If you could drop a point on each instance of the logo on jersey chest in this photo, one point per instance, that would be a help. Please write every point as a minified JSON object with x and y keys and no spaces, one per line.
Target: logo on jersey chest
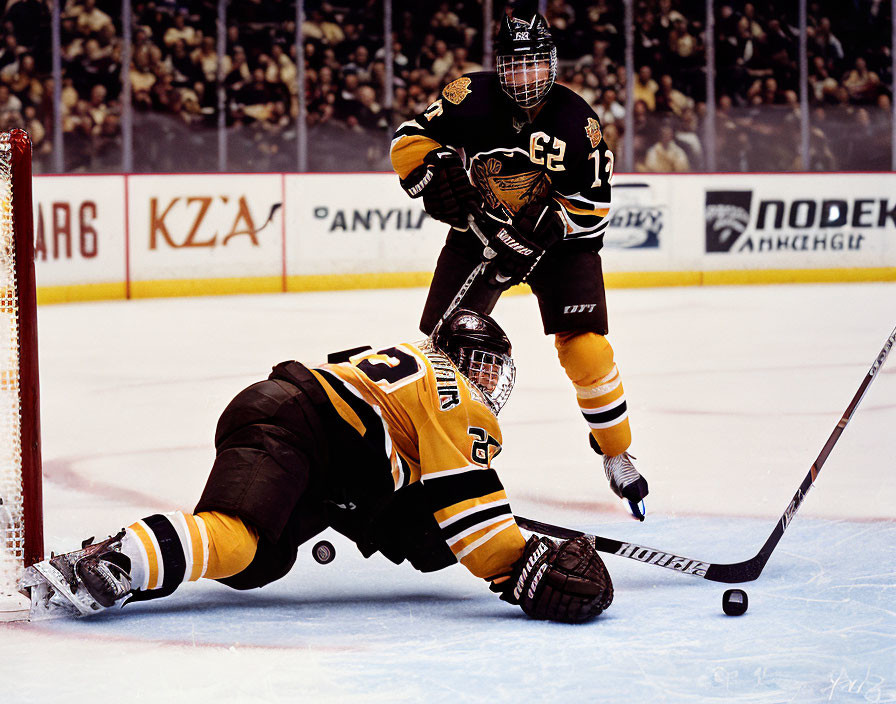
{"x":507,"y":179}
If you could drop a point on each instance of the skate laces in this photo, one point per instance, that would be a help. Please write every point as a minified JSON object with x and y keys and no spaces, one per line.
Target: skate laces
{"x":620,"y":470}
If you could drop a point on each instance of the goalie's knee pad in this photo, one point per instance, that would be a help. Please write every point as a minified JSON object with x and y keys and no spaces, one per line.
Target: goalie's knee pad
{"x":586,"y":357}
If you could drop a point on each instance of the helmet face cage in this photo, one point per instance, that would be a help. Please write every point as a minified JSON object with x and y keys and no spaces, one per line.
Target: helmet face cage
{"x":527,"y":78}
{"x":492,"y":373}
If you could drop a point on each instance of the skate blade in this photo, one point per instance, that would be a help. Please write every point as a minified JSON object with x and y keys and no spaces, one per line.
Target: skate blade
{"x":82,"y":602}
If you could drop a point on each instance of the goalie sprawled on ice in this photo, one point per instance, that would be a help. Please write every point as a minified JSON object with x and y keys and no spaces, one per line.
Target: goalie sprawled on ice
{"x":392,"y":448}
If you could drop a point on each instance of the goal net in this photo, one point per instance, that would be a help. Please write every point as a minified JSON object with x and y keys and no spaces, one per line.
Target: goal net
{"x":21,"y":533}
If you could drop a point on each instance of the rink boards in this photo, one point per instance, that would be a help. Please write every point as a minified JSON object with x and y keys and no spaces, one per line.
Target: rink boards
{"x":134,"y":236}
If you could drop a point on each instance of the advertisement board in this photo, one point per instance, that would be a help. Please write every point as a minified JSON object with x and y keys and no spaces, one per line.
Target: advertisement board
{"x":123,"y":236}
{"x":357,"y":223}
{"x":79,"y":230}
{"x":211,"y":227}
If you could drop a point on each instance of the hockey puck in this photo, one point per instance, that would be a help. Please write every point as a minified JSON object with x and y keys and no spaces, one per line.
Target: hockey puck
{"x":324,"y":552}
{"x":734,"y":602}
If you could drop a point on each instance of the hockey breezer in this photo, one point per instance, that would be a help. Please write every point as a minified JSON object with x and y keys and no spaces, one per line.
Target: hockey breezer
{"x":735,"y":572}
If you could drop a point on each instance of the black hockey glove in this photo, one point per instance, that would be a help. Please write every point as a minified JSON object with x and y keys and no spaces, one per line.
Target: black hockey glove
{"x":566,"y":582}
{"x":540,"y":223}
{"x":442,"y":182}
{"x":519,"y":244}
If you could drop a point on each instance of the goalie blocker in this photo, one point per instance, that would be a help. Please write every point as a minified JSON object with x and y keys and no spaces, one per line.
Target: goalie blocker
{"x":392,"y":448}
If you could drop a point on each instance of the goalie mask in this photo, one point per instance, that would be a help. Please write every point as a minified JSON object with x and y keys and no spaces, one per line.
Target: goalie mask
{"x":526,"y":59}
{"x":481,"y":352}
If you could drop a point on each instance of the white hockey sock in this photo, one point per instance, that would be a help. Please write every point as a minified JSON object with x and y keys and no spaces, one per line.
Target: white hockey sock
{"x":166,"y":549}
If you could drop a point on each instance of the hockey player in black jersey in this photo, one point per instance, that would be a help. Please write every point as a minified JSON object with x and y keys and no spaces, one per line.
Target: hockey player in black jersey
{"x":518,"y":167}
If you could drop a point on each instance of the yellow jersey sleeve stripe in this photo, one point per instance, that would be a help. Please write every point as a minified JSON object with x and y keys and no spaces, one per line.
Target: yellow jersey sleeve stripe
{"x":444,"y":523}
{"x":408,"y":152}
{"x":584,"y":208}
{"x":479,"y":542}
{"x":450,"y":472}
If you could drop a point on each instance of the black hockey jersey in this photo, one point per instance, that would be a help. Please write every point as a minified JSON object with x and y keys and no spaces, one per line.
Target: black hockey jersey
{"x":560,"y":154}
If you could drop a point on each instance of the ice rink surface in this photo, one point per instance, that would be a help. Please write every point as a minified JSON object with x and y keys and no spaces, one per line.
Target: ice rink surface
{"x":732,"y":392}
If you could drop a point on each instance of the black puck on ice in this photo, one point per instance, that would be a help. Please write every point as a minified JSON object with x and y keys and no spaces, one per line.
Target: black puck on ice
{"x":734,"y":602}
{"x":324,"y":552}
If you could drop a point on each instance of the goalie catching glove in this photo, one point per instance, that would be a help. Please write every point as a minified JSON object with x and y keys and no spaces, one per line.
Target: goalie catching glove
{"x":515,"y":246}
{"x":442,"y":182}
{"x":567,"y":582}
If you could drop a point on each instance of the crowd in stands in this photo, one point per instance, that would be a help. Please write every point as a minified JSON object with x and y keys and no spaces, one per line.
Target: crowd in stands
{"x":175,"y":91}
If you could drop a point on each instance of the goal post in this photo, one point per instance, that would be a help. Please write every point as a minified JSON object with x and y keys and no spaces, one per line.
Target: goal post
{"x":21,"y":514}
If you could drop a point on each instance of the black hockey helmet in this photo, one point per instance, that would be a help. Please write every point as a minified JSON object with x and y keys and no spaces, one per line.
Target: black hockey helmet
{"x":481,"y":352}
{"x":526,"y":56}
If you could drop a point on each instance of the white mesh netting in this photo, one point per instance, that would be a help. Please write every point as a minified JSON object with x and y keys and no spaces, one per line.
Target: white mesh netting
{"x":12,"y":532}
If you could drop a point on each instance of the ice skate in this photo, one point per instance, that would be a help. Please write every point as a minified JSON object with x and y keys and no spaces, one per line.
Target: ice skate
{"x":626,"y":482}
{"x":89,"y":580}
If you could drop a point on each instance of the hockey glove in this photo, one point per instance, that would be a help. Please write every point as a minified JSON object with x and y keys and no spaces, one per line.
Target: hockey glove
{"x":518,"y":245}
{"x":442,"y":182}
{"x":540,"y":223}
{"x":566,"y":582}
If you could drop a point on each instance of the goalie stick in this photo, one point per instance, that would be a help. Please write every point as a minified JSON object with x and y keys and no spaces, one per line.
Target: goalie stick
{"x":735,"y":572}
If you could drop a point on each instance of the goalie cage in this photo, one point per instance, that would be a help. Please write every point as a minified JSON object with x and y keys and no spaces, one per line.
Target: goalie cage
{"x":21,"y":517}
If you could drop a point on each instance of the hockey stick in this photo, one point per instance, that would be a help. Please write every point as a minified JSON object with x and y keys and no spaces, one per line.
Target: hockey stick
{"x":735,"y":572}
{"x":488,"y":253}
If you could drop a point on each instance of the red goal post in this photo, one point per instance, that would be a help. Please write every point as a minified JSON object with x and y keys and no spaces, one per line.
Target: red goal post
{"x":21,"y":514}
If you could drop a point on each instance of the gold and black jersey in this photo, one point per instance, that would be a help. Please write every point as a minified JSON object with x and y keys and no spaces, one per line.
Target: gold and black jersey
{"x":559,"y":154}
{"x":433,"y":426}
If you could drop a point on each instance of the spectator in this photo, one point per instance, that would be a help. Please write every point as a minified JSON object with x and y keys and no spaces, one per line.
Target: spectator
{"x":862,"y":85}
{"x":284,"y":67}
{"x":609,"y":110}
{"x":237,"y":70}
{"x":687,"y":138}
{"x":97,"y":106}
{"x":180,"y":31}
{"x":10,"y":49}
{"x":827,"y":45}
{"x":665,"y":156}
{"x":462,"y":63}
{"x":370,"y":114}
{"x":90,"y":19}
{"x":360,"y":64}
{"x":10,"y":109}
{"x":577,"y":84}
{"x":646,"y":88}
{"x":670,"y":99}
{"x":443,"y":60}
{"x":24,"y":82}
{"x":256,"y":97}
{"x":36,"y":130}
{"x":205,"y":56}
